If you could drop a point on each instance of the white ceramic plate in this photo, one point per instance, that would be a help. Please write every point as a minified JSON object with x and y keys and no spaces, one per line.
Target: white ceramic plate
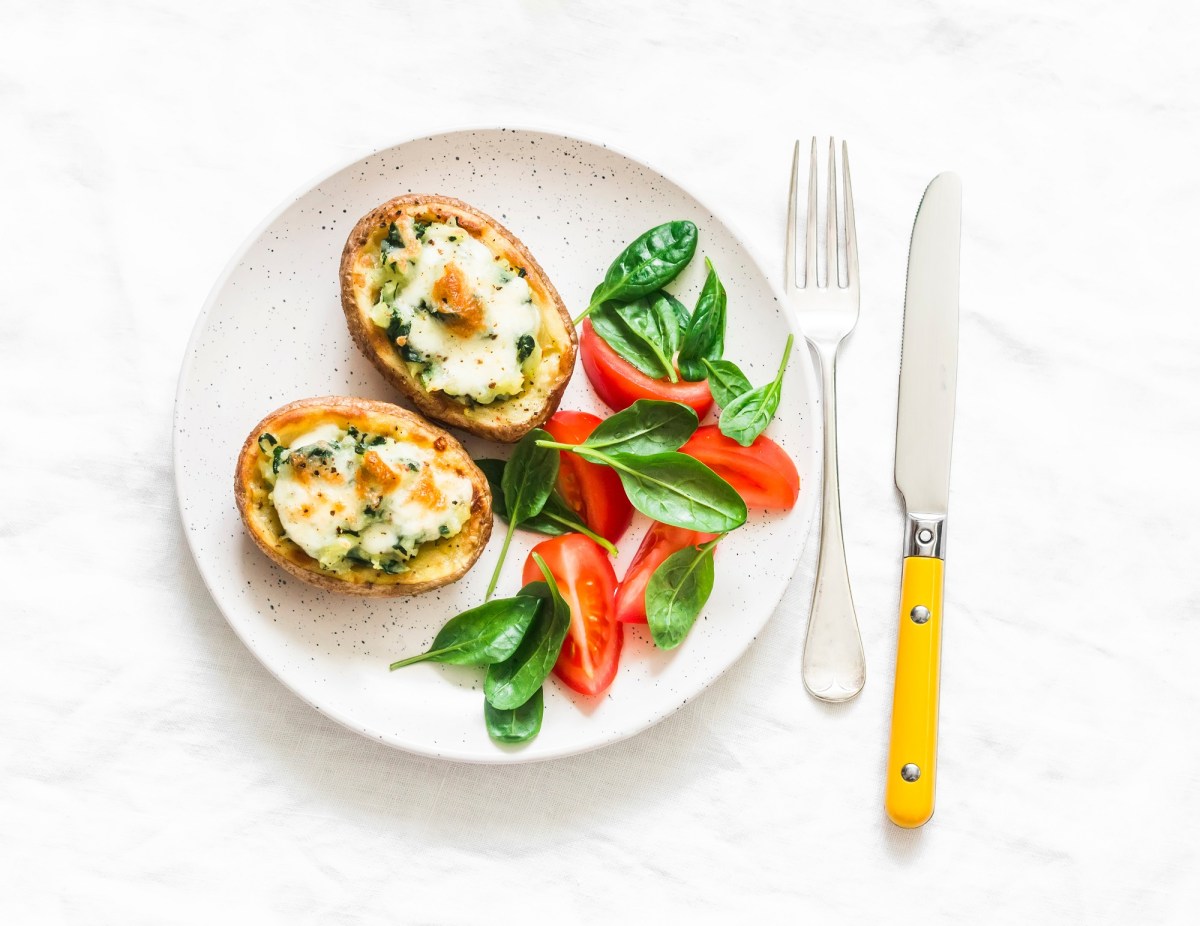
{"x":273,"y":331}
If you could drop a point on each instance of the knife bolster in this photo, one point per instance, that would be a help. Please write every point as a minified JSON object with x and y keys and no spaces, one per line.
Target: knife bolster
{"x":925,"y":535}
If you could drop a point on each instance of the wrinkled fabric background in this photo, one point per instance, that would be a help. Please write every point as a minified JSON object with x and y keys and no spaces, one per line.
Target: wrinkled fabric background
{"x":151,"y":771}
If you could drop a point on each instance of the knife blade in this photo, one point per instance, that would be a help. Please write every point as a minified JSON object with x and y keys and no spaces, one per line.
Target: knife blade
{"x":924,"y":432}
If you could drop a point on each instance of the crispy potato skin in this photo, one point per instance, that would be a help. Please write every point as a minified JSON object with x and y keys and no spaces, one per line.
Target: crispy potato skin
{"x":509,"y":420}
{"x":437,"y":563}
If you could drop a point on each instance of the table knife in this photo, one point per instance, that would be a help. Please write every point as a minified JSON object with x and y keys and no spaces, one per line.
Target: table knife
{"x":924,"y":428}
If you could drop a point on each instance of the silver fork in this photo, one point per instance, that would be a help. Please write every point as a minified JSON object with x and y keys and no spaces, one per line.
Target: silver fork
{"x":833,"y":666}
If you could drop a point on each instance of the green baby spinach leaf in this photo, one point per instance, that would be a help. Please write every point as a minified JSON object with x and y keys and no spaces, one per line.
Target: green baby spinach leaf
{"x":677,"y":592}
{"x":632,"y":330}
{"x":527,"y":482}
{"x":529,"y":477}
{"x":748,"y":415}
{"x":725,"y":381}
{"x":515,"y":725}
{"x":671,"y":487}
{"x":647,"y":426}
{"x":556,"y":517}
{"x":672,"y":319}
{"x":705,"y":335}
{"x":480,"y":636}
{"x":511,"y":683}
{"x":649,"y":262}
{"x":677,"y":489}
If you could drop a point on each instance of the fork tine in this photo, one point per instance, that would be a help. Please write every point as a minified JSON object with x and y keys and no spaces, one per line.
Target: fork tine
{"x":831,"y":232}
{"x":810,"y":235}
{"x":851,"y":237}
{"x":789,"y":255}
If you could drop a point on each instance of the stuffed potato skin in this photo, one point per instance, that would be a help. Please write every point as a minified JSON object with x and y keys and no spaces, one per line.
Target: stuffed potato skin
{"x":435,"y":564}
{"x":506,"y":420}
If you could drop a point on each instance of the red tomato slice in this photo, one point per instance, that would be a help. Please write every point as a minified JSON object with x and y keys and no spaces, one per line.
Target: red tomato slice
{"x":585,"y":577}
{"x":763,"y":474}
{"x":660,"y":542}
{"x":620,"y":384}
{"x":593,"y":491}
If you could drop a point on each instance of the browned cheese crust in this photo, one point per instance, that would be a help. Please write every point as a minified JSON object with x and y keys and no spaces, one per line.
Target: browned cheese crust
{"x":507,"y":420}
{"x":436,"y":563}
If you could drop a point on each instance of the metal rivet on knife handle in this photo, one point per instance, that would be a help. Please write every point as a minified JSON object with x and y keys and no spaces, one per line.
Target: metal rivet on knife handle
{"x":910,"y":772}
{"x":920,"y":614}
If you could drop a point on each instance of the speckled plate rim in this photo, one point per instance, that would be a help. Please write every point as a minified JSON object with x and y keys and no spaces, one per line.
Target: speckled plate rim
{"x":574,"y":133}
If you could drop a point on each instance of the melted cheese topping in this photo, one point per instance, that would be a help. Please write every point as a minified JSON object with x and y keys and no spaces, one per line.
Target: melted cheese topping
{"x":353,"y":498}
{"x":462,"y":316}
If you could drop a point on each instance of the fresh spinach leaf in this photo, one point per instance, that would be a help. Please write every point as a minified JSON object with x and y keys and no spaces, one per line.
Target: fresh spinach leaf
{"x":672,"y":317}
{"x":670,"y":487}
{"x":556,"y":517}
{"x":725,"y":381}
{"x":705,"y":335}
{"x":632,"y":330}
{"x":482,"y":635}
{"x":677,"y":592}
{"x":559,"y":518}
{"x":511,"y":683}
{"x":646,"y":426}
{"x":515,"y":725}
{"x":646,"y":332}
{"x":649,"y":262}
{"x":529,"y":476}
{"x":748,"y":415}
{"x":677,"y":489}
{"x":527,"y":482}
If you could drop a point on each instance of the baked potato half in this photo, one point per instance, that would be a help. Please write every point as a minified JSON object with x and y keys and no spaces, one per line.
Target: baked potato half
{"x":455,"y":312}
{"x":362,"y":497}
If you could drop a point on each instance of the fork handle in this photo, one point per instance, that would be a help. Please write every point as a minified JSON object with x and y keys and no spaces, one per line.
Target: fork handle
{"x":833,"y":666}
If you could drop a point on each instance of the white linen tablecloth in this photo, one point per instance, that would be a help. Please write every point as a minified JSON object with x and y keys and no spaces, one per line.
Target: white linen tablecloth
{"x":153,"y":772}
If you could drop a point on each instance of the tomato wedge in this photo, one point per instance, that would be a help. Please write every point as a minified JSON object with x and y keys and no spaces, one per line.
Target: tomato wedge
{"x":620,"y":384}
{"x":763,"y":474}
{"x":593,"y":491}
{"x":660,"y":542}
{"x":585,"y":577}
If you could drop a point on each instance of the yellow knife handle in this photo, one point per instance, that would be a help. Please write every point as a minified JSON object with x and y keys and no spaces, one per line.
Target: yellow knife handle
{"x":912,"y":756}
